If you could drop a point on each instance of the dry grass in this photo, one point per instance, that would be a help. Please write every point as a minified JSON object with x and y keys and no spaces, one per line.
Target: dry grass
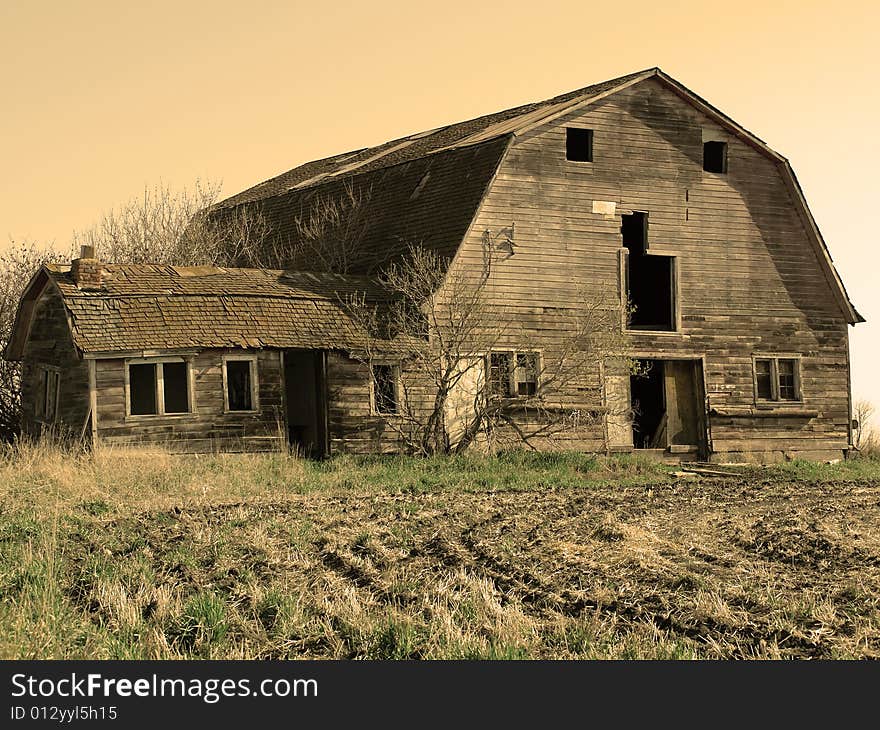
{"x":132,"y":555}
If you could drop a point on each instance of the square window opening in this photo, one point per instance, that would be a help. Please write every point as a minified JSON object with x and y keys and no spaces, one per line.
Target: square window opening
{"x":715,"y":156}
{"x":578,"y":144}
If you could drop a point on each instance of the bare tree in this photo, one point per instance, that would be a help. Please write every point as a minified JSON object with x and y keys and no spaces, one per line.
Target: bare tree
{"x":331,"y":232}
{"x":164,"y":226}
{"x":863,"y":412}
{"x":453,"y":390}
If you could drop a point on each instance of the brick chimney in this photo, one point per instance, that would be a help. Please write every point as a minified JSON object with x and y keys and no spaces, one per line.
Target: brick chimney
{"x":86,"y":270}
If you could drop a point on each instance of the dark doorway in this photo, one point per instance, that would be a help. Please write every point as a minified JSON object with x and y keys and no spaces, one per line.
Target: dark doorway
{"x":305,"y":394}
{"x":648,"y":404}
{"x":667,"y":404}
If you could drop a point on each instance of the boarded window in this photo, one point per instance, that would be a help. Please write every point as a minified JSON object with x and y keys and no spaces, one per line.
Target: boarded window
{"x":385,"y":388}
{"x":142,"y":389}
{"x":578,"y":144}
{"x":715,"y":156}
{"x":526,"y":373}
{"x":499,"y":374}
{"x":47,"y":405}
{"x":239,"y":385}
{"x":176,"y":387}
{"x":764,"y":379}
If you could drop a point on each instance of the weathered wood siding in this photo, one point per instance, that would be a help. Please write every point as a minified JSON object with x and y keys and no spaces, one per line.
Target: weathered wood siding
{"x":50,"y":343}
{"x":749,"y":279}
{"x":208,"y":428}
{"x":353,"y":427}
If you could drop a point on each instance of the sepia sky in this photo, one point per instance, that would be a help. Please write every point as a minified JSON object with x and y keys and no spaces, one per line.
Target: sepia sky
{"x":100,"y":99}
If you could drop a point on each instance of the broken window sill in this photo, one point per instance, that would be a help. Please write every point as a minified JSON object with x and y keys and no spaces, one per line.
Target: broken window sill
{"x":765,"y":412}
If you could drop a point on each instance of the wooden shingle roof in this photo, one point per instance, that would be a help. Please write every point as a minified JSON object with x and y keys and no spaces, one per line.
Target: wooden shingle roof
{"x":428,"y":202}
{"x":150,"y":307}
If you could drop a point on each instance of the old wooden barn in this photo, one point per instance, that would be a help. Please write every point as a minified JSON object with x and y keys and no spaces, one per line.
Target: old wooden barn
{"x":637,"y":186}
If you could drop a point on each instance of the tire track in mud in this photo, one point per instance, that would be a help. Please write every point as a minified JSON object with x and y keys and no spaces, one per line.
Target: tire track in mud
{"x":534,"y":593}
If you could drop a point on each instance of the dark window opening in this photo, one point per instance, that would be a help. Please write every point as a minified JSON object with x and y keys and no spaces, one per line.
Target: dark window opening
{"x":142,"y":389}
{"x":175,"y":387}
{"x":526,"y":374}
{"x":764,"y":379}
{"x":650,"y":279}
{"x":578,"y":144}
{"x":238,"y":385}
{"x":385,"y":388}
{"x":634,"y":229}
{"x":715,"y":156}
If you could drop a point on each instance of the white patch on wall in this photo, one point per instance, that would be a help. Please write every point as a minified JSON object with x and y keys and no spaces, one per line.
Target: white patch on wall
{"x":605,"y":207}
{"x":715,"y":134}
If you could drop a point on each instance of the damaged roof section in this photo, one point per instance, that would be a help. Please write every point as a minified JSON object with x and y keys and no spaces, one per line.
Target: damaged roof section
{"x":428,"y":201}
{"x":150,"y":307}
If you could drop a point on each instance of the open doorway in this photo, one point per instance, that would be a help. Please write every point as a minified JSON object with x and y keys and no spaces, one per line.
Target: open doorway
{"x":306,"y":402}
{"x":666,"y":401}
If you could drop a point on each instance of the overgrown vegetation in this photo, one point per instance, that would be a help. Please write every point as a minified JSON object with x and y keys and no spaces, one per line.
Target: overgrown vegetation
{"x":524,"y":555}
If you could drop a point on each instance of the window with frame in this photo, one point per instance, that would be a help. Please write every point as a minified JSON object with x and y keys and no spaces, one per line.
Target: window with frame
{"x":240,"y":383}
{"x":526,"y":374}
{"x":777,"y":379}
{"x":499,"y":374}
{"x":158,"y":387}
{"x":47,"y":396}
{"x":513,"y":374}
{"x":385,"y":377}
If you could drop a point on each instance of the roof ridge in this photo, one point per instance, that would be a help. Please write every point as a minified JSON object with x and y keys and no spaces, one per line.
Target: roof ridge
{"x":284,"y":183}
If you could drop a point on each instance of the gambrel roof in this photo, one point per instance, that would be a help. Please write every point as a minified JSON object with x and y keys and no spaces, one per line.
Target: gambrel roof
{"x":466,"y":156}
{"x":151,"y":307}
{"x":417,"y":146}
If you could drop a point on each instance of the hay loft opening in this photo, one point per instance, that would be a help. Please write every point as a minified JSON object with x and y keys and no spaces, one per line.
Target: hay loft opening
{"x":650,"y":279}
{"x":715,"y":156}
{"x":578,"y":144}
